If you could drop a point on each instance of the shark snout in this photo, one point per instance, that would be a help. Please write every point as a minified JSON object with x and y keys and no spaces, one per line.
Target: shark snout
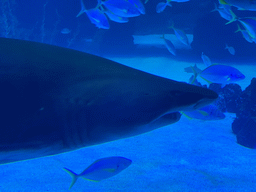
{"x":208,"y":96}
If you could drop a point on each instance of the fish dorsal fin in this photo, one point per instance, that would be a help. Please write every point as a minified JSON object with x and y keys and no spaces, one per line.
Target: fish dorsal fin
{"x":215,"y":8}
{"x":82,"y":9}
{"x":234,"y":17}
{"x":212,"y":65}
{"x":239,"y":28}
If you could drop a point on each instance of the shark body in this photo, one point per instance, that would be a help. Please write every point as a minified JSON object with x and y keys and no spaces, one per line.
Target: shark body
{"x":55,"y":100}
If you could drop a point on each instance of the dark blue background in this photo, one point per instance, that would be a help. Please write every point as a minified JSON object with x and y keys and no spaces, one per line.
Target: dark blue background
{"x":25,"y":19}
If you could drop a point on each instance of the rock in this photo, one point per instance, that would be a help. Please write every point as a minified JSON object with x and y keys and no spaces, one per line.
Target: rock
{"x":228,"y":96}
{"x":245,"y":130}
{"x":232,"y":99}
{"x":244,"y":126}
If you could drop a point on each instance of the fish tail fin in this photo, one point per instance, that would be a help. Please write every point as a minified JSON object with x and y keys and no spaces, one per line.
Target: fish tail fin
{"x":195,"y":75}
{"x":82,"y":9}
{"x":234,"y":17}
{"x":169,"y":3}
{"x":73,"y":175}
{"x":239,"y":28}
{"x":99,"y":4}
{"x":215,"y":8}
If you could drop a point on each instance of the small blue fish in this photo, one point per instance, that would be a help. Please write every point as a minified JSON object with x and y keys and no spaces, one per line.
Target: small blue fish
{"x":221,"y":74}
{"x":230,"y":49}
{"x":245,"y":34}
{"x":161,"y":6}
{"x":65,"y":31}
{"x":101,"y":169}
{"x":169,"y":46}
{"x":224,"y":12}
{"x":181,"y":35}
{"x":206,"y":60}
{"x":249,"y":23}
{"x":96,"y":16}
{"x":207,"y":113}
{"x":121,"y":8}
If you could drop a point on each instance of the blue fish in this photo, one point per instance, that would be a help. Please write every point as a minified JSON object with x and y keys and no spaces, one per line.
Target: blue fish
{"x":101,"y":169}
{"x":181,"y":35}
{"x":160,"y":7}
{"x":96,"y":16}
{"x":65,"y":31}
{"x":121,"y":8}
{"x":224,"y":12}
{"x":206,"y":60}
{"x":249,"y":23}
{"x":221,"y":74}
{"x":207,"y":113}
{"x":169,"y":45}
{"x":245,"y":34}
{"x":230,"y":49}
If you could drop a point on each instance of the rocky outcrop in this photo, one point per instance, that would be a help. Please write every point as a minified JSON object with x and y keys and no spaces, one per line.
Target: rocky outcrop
{"x":232,"y":99}
{"x":244,"y":126}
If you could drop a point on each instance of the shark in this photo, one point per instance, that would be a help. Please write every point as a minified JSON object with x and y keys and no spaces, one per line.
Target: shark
{"x":55,"y":100}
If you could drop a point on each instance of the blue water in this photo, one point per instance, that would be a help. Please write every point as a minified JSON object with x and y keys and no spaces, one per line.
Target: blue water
{"x":186,"y":156}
